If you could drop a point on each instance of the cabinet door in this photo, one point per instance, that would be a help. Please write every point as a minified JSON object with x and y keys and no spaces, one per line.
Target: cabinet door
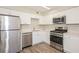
{"x":72,"y":16}
{"x":71,"y":44}
{"x":25,"y":19}
{"x":41,"y":37}
{"x":46,"y":36}
{"x":35,"y":38}
{"x":5,"y":11}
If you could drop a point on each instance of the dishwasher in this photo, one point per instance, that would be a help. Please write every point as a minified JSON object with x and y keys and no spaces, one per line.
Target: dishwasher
{"x":26,"y":39}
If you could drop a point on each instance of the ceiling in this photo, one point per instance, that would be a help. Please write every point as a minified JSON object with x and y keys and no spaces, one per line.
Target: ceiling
{"x":37,"y":9}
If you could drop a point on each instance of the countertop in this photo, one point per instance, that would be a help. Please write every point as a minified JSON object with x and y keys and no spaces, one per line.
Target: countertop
{"x":26,"y":31}
{"x":73,"y":35}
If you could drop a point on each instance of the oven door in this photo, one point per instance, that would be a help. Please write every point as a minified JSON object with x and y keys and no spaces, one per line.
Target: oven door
{"x":56,"y":42}
{"x":56,"y":39}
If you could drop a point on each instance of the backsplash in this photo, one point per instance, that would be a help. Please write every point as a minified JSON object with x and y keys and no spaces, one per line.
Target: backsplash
{"x":60,"y":25}
{"x":73,"y":28}
{"x":27,"y":28}
{"x":46,"y":27}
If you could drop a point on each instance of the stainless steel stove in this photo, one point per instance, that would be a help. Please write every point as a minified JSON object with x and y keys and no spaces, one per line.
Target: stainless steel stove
{"x":56,"y":38}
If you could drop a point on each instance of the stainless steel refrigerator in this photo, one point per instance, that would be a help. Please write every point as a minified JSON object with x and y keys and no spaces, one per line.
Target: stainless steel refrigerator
{"x":10,"y":36}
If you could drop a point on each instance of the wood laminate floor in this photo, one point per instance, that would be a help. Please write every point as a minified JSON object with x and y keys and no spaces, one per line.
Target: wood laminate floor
{"x":40,"y":48}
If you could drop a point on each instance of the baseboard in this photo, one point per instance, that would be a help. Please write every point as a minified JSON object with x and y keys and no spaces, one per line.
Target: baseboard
{"x":27,"y":46}
{"x":66,"y":51}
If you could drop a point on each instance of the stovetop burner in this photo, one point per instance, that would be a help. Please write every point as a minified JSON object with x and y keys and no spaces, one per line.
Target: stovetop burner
{"x":59,"y":31}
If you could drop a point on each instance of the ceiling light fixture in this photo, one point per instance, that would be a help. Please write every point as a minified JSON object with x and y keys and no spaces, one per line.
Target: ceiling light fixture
{"x":46,"y":7}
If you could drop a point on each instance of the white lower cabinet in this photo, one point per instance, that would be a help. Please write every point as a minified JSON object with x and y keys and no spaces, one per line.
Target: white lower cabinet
{"x":40,"y":36}
{"x":71,"y":44}
{"x":35,"y":38}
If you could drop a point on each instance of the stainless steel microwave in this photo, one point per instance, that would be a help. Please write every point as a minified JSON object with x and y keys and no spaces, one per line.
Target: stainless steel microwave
{"x":59,"y":20}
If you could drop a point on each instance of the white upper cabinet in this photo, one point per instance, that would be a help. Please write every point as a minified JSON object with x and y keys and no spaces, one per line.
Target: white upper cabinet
{"x":25,"y":19}
{"x":72,"y":16}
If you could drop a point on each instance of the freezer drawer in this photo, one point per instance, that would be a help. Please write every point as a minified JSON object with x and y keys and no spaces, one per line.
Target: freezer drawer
{"x":14,"y":41}
{"x":10,"y":41}
{"x":26,"y":39}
